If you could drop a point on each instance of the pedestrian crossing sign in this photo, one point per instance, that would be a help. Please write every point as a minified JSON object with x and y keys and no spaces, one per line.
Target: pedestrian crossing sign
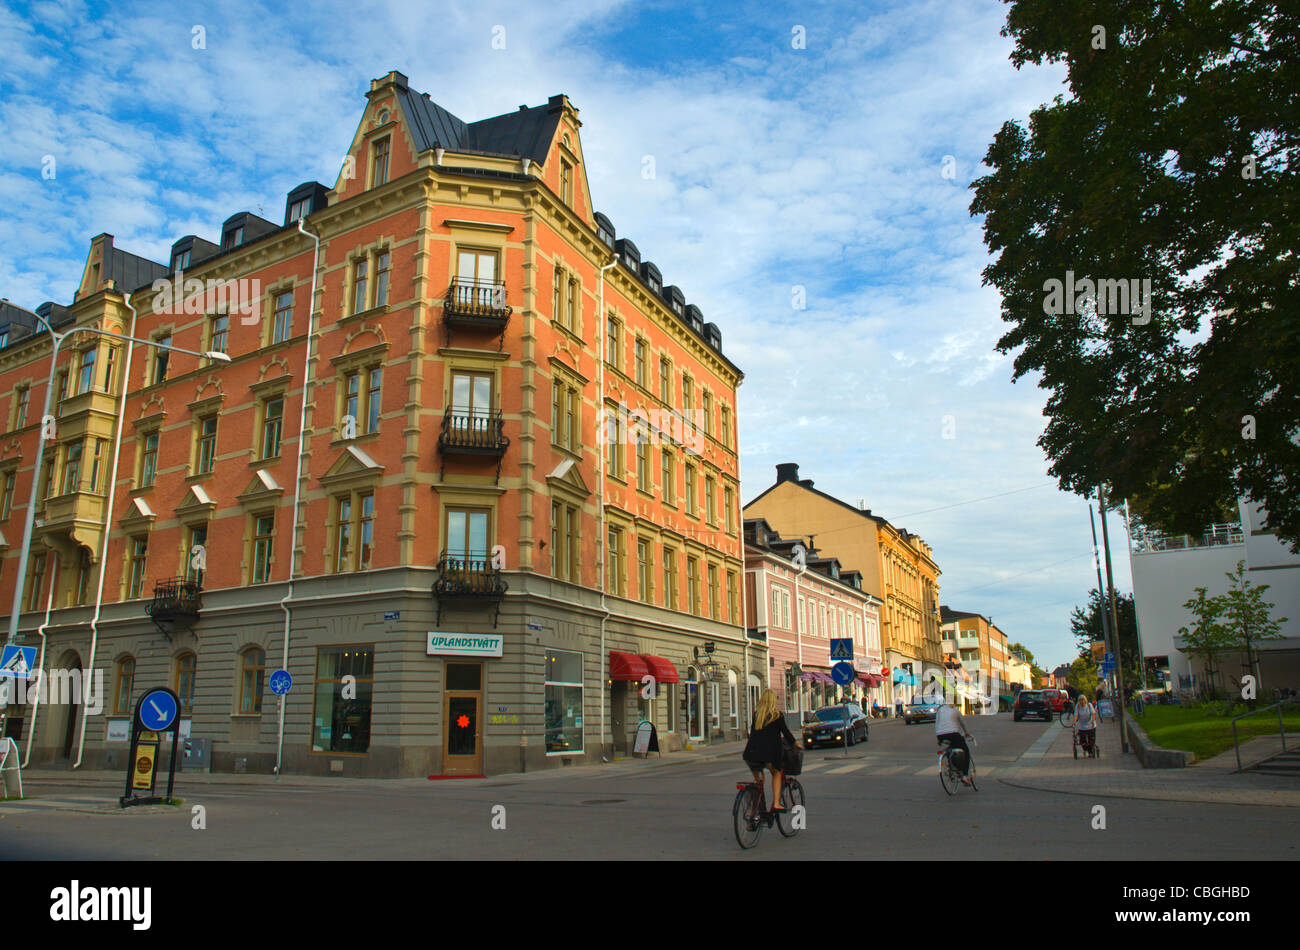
{"x":842,"y":649}
{"x":17,"y":661}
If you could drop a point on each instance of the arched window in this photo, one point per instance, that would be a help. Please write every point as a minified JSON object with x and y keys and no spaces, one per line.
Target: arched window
{"x":125,"y":686}
{"x":252,"y":673}
{"x":694,"y":705}
{"x":185,"y":665}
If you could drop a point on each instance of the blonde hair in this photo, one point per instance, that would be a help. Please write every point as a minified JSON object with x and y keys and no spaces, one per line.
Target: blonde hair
{"x":767,"y":710}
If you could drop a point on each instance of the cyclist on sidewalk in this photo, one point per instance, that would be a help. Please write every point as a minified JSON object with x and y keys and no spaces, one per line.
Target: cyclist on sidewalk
{"x":765,"y":748}
{"x":950,"y":727}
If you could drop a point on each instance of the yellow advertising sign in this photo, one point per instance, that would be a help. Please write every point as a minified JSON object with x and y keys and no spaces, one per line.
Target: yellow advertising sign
{"x":1098,"y":650}
{"x":146,"y":760}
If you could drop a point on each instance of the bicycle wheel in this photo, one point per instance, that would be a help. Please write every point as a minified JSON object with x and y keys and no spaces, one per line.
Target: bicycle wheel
{"x":791,"y":797}
{"x":970,"y":774}
{"x":947,"y":777}
{"x":747,"y":829}
{"x":1067,"y":718}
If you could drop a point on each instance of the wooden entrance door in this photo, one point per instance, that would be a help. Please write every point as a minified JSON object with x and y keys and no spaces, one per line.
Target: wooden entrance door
{"x":462,"y":716}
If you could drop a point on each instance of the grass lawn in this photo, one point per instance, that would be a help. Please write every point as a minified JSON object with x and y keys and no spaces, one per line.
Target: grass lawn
{"x":1193,"y":729}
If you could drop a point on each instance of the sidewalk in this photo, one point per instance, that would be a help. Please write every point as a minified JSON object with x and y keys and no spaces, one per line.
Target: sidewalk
{"x":1116,"y":775}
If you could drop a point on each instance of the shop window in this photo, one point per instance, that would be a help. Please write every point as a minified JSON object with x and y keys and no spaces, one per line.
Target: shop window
{"x":343,"y":699}
{"x":564,"y":698}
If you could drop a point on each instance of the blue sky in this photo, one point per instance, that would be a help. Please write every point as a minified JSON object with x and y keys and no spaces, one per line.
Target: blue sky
{"x":775,"y":168}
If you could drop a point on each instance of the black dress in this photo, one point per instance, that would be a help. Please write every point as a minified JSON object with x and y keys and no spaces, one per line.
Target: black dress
{"x":766,"y":745}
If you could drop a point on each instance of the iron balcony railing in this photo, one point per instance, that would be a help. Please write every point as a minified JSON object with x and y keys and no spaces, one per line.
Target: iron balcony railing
{"x":474,"y":431}
{"x":175,"y":597}
{"x":476,"y":301}
{"x":468,"y":576}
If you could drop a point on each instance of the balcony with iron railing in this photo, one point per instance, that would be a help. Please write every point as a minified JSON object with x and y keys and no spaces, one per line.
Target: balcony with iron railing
{"x":476,"y":304}
{"x":468,"y":579}
{"x":175,"y":600}
{"x":1147,"y":540}
{"x":473,"y":432}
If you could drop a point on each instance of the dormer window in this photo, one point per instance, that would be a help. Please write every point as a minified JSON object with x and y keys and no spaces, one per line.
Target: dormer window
{"x":181,"y":260}
{"x":299,"y":209}
{"x":379,"y":163}
{"x":233,"y":238}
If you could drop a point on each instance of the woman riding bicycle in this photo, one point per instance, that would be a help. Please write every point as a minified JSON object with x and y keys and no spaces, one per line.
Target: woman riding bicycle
{"x":766,"y":746}
{"x":950,"y":727}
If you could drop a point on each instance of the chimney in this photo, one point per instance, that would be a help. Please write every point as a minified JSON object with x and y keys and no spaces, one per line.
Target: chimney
{"x":806,"y":482}
{"x":787,"y":472}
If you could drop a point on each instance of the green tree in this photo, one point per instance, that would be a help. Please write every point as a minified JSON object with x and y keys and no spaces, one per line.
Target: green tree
{"x":1246,"y":617}
{"x":1084,"y":676}
{"x":1172,"y":159}
{"x":1086,"y":627}
{"x":1207,"y":638}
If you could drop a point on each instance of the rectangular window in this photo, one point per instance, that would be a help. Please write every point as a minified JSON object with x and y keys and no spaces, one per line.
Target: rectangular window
{"x":374,"y":383}
{"x":643,"y":466}
{"x":185,"y":682}
{"x":614,"y":581}
{"x":207,"y":449}
{"x":47,"y":478}
{"x":689,"y":478}
{"x":666,"y":473}
{"x":196,"y":536}
{"x":733,"y":614}
{"x":564,"y":541}
{"x":110,"y":368}
{"x":354,"y":532}
{"x":564,"y":710}
{"x":161,"y":352}
{"x":726,"y":426}
{"x":714,"y":592}
{"x":344,"y":691}
{"x":557,"y":412}
{"x":24,"y":397}
{"x":572,"y":544}
{"x":148,"y":459}
{"x":710,"y":510}
{"x":139,"y":555}
{"x":84,"y":570}
{"x":36,"y":581}
{"x":688,"y":397}
{"x":611,"y":342}
{"x":571,"y":308}
{"x":352,"y":396}
{"x":72,"y":469}
{"x":557,"y":294}
{"x":574,"y":421}
{"x":379,"y":163}
{"x":299,"y":209}
{"x":86,"y":379}
{"x":729,"y":506}
{"x":382,"y":264}
{"x":665,"y":381}
{"x":272,"y":418}
{"x":467,"y":534}
{"x":96,"y":465}
{"x":366,"y":534}
{"x":566,"y":182}
{"x":707,"y":411}
{"x":670,"y":578}
{"x":638,"y":361}
{"x":6,"y":506}
{"x":693,"y":584}
{"x":282,"y":328}
{"x":343,"y":536}
{"x":613,"y":457}
{"x":219,"y":333}
{"x":359,"y":281}
{"x":644,"y":571}
{"x":263,"y":538}
{"x":252,"y":679}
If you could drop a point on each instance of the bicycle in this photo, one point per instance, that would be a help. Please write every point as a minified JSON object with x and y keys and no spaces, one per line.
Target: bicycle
{"x":1068,"y":715}
{"x":949,"y":775}
{"x":750,"y":816}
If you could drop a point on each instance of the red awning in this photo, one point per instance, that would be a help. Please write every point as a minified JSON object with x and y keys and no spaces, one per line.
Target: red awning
{"x":627,"y":666}
{"x":660,"y":669}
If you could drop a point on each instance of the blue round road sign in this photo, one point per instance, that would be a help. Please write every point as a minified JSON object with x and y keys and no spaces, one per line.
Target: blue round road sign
{"x":158,"y":710}
{"x":281,"y":682}
{"x":842,"y":673}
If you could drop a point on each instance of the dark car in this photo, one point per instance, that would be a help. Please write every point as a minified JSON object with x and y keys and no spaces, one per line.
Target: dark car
{"x":844,"y":723}
{"x":924,"y":711}
{"x":1032,"y":702}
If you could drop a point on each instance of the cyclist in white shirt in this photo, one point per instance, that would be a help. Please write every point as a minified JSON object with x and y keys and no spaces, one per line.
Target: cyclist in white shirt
{"x":950,"y":727}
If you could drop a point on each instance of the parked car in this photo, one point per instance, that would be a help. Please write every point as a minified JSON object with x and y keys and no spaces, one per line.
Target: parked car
{"x":923,"y":711}
{"x":844,"y":723}
{"x":1056,"y":698}
{"x":1032,"y":702}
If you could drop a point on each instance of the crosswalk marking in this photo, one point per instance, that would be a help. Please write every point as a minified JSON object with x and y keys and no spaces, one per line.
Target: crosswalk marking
{"x":847,"y":768}
{"x":928,"y":770}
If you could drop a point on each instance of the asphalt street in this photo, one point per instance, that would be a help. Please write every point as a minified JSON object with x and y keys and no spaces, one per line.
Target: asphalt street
{"x":875,"y":801}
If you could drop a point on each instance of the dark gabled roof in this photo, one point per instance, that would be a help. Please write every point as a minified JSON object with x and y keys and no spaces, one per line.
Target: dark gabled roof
{"x":129,"y":271}
{"x":18,"y":321}
{"x":525,"y":133}
{"x":948,"y":615}
{"x":843,"y":504}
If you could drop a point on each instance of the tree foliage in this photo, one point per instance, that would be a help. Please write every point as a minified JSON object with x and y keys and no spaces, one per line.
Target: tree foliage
{"x":1206,"y":639}
{"x":1086,"y":627}
{"x":1172,"y":159}
{"x":1084,"y":676}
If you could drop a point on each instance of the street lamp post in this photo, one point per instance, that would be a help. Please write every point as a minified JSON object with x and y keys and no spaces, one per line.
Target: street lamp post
{"x":58,"y":338}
